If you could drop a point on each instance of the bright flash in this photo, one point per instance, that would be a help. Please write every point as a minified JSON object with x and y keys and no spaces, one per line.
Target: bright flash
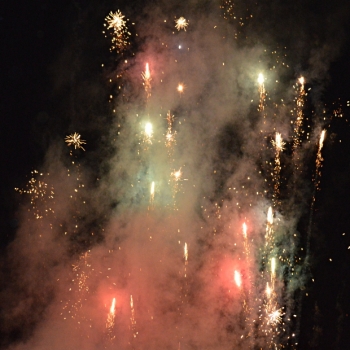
{"x":177,"y":174}
{"x":149,"y":130}
{"x":261,"y":79}
{"x":186,"y":252}
{"x":301,"y":80}
{"x":181,"y":23}
{"x":275,"y":317}
{"x":278,"y":142}
{"x":238,"y":279}
{"x":180,"y":88}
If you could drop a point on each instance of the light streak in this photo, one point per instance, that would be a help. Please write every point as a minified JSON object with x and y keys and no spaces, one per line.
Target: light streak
{"x":111,"y":316}
{"x":300,"y":101}
{"x":244,"y":226}
{"x":152,"y":192}
{"x":181,"y":23}
{"x":146,"y":76}
{"x":273,"y":268}
{"x":186,"y":252}
{"x":279,"y":146}
{"x":238,"y":279}
{"x":74,"y":139}
{"x":132,"y":318}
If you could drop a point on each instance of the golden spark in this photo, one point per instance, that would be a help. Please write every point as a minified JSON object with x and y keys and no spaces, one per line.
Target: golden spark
{"x":74,"y":139}
{"x":181,"y":23}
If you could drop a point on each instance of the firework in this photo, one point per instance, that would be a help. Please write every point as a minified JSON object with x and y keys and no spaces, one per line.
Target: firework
{"x":300,"y":101}
{"x":146,"y":76}
{"x":186,"y":252}
{"x":170,"y":140}
{"x":120,"y":34}
{"x":262,"y":92}
{"x":181,"y":88}
{"x":238,"y":279}
{"x":111,"y":317}
{"x":152,"y":192}
{"x":74,"y":139}
{"x":132,"y":318}
{"x":181,"y":23}
{"x":148,"y":133}
{"x":279,"y":146}
{"x":275,"y":317}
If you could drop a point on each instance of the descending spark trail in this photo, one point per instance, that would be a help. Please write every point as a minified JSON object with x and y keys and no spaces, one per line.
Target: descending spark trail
{"x":146,"y":76}
{"x":279,"y":146}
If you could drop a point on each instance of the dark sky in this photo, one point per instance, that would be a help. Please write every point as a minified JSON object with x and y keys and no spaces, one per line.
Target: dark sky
{"x":51,"y":55}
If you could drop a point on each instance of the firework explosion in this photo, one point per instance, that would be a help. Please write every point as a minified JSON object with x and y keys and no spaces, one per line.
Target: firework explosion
{"x":134,"y":286}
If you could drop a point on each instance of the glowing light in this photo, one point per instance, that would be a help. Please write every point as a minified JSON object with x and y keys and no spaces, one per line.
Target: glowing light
{"x":111,"y":315}
{"x":244,"y":230}
{"x":181,"y":23}
{"x":148,"y":133}
{"x":273,"y":267}
{"x":261,"y":79}
{"x":278,"y":142}
{"x":74,"y":139}
{"x":180,"y":88}
{"x":268,"y":290}
{"x":120,"y":35}
{"x":302,"y":80}
{"x":275,"y":317}
{"x":152,"y":191}
{"x":186,"y":252}
{"x":270,"y":216}
{"x":177,"y":174}
{"x":146,"y":76}
{"x":238,"y":279}
{"x":323,"y":134}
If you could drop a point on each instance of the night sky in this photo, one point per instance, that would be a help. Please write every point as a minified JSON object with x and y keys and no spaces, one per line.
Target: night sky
{"x":53,"y":84}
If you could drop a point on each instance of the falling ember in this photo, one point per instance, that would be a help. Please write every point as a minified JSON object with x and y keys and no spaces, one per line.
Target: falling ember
{"x":111,"y":316}
{"x":181,"y":23}
{"x":238,"y":279}
{"x":319,"y":160}
{"x":146,"y":76}
{"x":74,"y":139}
